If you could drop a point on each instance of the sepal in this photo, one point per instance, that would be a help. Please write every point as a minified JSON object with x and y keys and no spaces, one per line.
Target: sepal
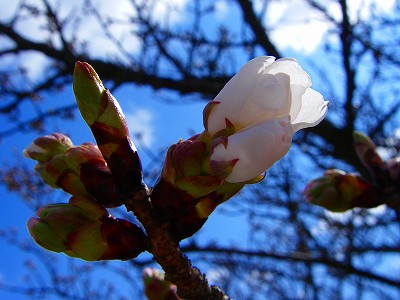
{"x":223,"y":168}
{"x":207,"y":111}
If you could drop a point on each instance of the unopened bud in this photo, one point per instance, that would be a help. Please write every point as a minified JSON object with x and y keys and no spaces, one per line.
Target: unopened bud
{"x":78,"y":170}
{"x":84,"y":229}
{"x":45,"y":147}
{"x":338,"y":191}
{"x":104,"y":116}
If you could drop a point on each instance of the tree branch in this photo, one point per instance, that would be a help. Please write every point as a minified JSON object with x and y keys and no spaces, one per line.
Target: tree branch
{"x":294,"y":257}
{"x":257,"y":28}
{"x":178,"y":268}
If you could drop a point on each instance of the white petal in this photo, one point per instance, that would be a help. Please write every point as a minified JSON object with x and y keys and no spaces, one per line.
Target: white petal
{"x":257,"y":148}
{"x":292,"y":68}
{"x":313,"y":110}
{"x":297,"y":91}
{"x":33,"y":148}
{"x":236,"y":91}
{"x":269,"y":99}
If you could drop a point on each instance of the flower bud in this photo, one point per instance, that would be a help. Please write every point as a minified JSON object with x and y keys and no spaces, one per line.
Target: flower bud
{"x":104,"y":116}
{"x":185,"y":176}
{"x":84,"y":229}
{"x":366,"y":152}
{"x":338,"y":191}
{"x":78,"y":170}
{"x":46,"y":147}
{"x":252,"y":120}
{"x":88,"y":163}
{"x":156,"y":287}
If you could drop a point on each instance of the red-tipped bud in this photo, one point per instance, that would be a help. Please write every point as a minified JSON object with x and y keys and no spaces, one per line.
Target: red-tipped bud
{"x":338,"y":191}
{"x":102,"y":113}
{"x":84,"y":229}
{"x":78,"y":170}
{"x":184,"y":178}
{"x":46,"y":147}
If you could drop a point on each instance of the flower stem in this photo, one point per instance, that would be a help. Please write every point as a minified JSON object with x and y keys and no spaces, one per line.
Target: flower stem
{"x":191,"y":283}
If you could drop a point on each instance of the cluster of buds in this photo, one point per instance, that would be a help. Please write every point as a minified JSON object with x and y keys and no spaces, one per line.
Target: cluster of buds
{"x":78,"y":170}
{"x":248,"y":127}
{"x":83,"y":228}
{"x":188,"y":191}
{"x":338,"y":191}
{"x":97,"y":176}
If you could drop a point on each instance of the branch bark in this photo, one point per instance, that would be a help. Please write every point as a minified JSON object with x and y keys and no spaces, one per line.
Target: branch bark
{"x":191,"y":283}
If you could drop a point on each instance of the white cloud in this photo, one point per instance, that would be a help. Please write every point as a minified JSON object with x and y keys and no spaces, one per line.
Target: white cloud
{"x":297,"y":26}
{"x":169,"y":9}
{"x":221,"y":9}
{"x":218,"y":274}
{"x":140,"y":123}
{"x":85,"y":27}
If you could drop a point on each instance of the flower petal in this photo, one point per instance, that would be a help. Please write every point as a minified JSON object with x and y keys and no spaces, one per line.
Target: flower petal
{"x":269,"y":99}
{"x":257,"y":148}
{"x":235,"y":92}
{"x":291,"y":67}
{"x":313,"y":110}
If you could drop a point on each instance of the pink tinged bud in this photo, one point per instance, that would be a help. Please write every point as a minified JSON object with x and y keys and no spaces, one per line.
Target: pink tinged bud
{"x":104,"y":116}
{"x":84,"y":153}
{"x":83,"y":228}
{"x":252,"y":150}
{"x":96,"y":103}
{"x":184,"y":169}
{"x":45,"y":147}
{"x":338,"y":191}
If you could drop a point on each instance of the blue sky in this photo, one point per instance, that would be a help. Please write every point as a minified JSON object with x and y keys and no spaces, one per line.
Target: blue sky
{"x":146,"y":112}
